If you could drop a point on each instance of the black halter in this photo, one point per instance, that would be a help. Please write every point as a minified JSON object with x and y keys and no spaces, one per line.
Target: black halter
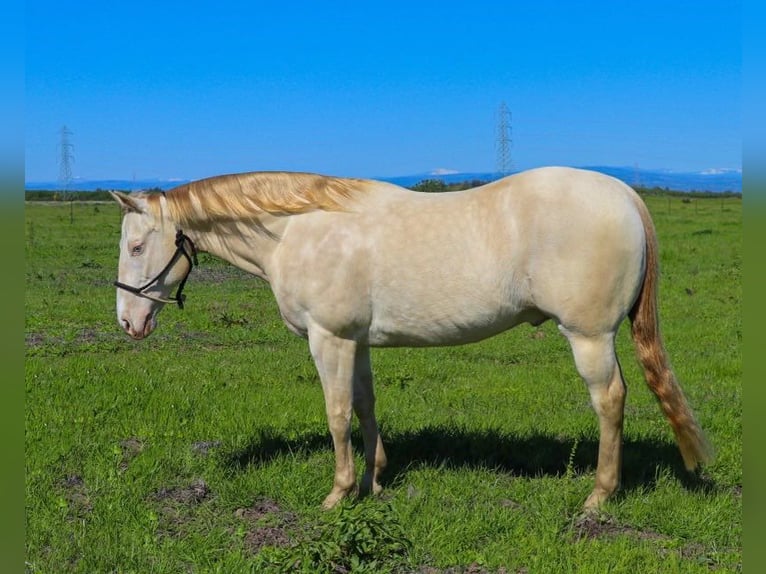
{"x":181,"y":240}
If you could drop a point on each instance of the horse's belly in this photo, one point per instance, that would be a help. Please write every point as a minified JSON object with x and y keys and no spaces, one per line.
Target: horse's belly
{"x":424,"y":329}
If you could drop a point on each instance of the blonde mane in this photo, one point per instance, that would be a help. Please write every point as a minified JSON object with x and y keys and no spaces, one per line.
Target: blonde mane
{"x":248,"y":195}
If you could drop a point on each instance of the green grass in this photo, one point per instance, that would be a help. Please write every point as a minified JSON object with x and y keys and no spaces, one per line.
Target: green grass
{"x":205,"y":448}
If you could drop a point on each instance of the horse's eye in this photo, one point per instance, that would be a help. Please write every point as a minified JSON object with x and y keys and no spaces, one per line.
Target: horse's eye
{"x":137,"y":250}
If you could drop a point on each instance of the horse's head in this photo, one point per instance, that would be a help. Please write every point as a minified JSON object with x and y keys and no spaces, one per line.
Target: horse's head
{"x":154,"y":258}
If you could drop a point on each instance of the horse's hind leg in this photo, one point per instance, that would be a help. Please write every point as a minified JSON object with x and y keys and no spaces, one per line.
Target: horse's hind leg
{"x":364,"y":407}
{"x":597,"y":364}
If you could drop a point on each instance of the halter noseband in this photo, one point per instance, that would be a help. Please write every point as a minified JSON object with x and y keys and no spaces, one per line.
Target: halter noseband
{"x":181,"y":240}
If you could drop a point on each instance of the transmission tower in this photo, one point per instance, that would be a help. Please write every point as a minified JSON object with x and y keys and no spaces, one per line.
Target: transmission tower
{"x":66,"y":158}
{"x":504,"y":141}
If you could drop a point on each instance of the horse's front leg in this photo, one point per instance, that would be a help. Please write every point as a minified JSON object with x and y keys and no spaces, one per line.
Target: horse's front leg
{"x":334,"y":359}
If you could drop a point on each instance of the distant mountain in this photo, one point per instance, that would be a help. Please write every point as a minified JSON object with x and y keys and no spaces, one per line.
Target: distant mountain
{"x":716,"y":181}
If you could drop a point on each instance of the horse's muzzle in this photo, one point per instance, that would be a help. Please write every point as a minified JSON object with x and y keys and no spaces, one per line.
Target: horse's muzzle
{"x":139,"y":331}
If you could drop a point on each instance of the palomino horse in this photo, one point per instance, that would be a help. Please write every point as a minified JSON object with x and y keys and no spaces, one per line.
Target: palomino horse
{"x":357,"y":263}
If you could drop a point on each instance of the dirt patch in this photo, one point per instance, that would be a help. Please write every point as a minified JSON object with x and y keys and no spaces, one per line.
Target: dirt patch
{"x":177,"y":506}
{"x":131,"y":448}
{"x":267,"y":524}
{"x":33,"y":339}
{"x":591,"y":527}
{"x":89,"y":336}
{"x":76,"y":495}
{"x":69,"y":342}
{"x":263,"y":508}
{"x":195,"y":493}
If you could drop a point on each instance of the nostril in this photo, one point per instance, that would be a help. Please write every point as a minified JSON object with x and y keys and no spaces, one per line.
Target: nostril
{"x":148,"y":324}
{"x":126,"y":325}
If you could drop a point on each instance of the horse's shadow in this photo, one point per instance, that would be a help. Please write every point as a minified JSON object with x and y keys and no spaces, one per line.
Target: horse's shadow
{"x":532,"y":455}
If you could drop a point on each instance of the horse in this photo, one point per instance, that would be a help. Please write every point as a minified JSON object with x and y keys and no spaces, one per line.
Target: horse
{"x":355,"y":263}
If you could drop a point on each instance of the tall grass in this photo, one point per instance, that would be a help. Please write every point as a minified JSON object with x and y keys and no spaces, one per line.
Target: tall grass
{"x":205,"y":447}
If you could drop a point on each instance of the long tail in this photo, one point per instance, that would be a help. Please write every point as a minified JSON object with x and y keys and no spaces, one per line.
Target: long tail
{"x":645,"y":329}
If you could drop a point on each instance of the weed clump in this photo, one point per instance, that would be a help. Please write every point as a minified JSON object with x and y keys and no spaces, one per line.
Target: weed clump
{"x":354,"y":537}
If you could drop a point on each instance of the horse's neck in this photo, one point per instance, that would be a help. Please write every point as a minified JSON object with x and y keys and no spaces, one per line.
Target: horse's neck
{"x":246,"y":245}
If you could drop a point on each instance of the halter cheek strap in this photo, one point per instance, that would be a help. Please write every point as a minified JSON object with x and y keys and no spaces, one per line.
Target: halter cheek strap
{"x":181,"y":241}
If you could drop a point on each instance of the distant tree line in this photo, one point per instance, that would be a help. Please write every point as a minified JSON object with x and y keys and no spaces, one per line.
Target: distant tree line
{"x":438,"y":186}
{"x":58,"y":195}
{"x":664,"y":192}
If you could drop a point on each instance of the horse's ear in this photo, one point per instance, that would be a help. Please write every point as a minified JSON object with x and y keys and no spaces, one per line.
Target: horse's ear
{"x":127,"y":203}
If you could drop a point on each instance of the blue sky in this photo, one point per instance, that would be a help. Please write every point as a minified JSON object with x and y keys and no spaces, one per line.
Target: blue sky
{"x":192,"y":89}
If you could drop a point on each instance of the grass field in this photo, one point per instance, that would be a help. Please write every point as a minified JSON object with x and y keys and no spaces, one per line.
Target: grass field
{"x":205,"y":447}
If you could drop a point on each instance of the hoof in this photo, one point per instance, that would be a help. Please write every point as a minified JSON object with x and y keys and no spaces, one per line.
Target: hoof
{"x":369,"y":486}
{"x":595,"y":501}
{"x":335,"y":496}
